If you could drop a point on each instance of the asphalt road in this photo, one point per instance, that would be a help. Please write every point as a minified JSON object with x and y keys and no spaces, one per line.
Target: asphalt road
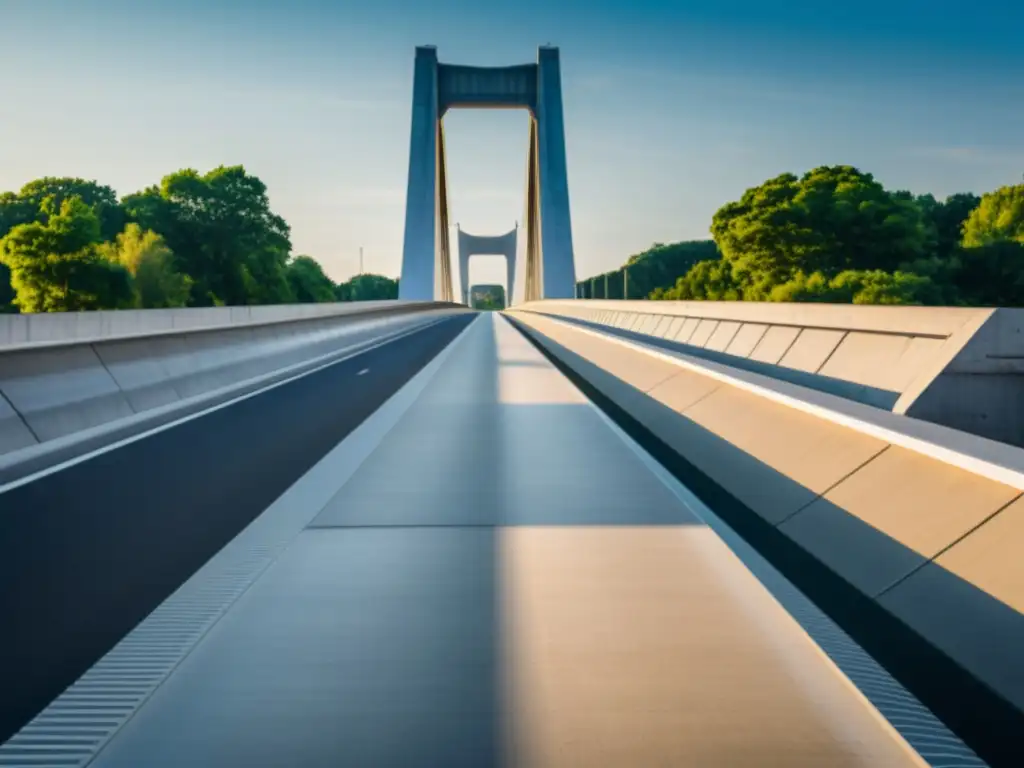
{"x":89,"y":551}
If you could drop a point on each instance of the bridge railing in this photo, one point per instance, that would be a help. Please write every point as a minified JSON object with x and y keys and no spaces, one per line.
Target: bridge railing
{"x":907,"y":533}
{"x":957,"y":366}
{"x":71,"y":382}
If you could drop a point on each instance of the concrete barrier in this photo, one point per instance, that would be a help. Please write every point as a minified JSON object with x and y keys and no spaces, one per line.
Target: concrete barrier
{"x":106,"y":372}
{"x":922,"y":522}
{"x":960,"y":367}
{"x":61,"y":328}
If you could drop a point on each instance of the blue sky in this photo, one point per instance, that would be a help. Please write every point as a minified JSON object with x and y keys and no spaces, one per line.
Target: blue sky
{"x":672,"y":108}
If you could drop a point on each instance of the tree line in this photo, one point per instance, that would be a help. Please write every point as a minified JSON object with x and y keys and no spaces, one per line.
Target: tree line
{"x":837,"y":235}
{"x":194,"y":240}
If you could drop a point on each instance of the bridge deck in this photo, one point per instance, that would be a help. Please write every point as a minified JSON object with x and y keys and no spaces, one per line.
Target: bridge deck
{"x":498,"y":577}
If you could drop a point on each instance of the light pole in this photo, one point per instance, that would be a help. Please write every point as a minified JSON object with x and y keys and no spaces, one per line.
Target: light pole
{"x":360,"y":259}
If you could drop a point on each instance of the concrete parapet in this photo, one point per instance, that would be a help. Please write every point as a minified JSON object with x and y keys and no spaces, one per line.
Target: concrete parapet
{"x":960,"y":367}
{"x":72,"y":327}
{"x":922,"y":535}
{"x":56,"y":387}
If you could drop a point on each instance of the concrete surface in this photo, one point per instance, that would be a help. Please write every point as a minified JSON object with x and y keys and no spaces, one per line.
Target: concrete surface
{"x":491,"y":601}
{"x":960,"y":367}
{"x":73,"y":327}
{"x":906,"y":530}
{"x":95,"y":547}
{"x":58,"y":391}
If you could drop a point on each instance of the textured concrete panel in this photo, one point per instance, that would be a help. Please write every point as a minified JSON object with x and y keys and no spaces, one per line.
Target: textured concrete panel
{"x":810,"y":452}
{"x":746,"y":339}
{"x":811,"y":349}
{"x":61,"y":390}
{"x":633,"y":647}
{"x":684,"y":389}
{"x":922,"y":504}
{"x":703,"y":332}
{"x":723,"y":336}
{"x":686,"y":330}
{"x":982,"y":633}
{"x":880,"y":360}
{"x":674,"y":327}
{"x":13,"y":432}
{"x":990,"y":557}
{"x":774,"y":344}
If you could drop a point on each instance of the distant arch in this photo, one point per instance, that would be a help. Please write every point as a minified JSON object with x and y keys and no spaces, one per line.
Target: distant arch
{"x":477,"y":245}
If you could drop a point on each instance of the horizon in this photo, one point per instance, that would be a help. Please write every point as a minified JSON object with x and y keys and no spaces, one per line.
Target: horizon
{"x":670,"y":112}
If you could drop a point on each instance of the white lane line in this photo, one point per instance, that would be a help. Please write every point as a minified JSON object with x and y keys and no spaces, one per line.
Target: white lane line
{"x":199,"y":414}
{"x":363,"y":372}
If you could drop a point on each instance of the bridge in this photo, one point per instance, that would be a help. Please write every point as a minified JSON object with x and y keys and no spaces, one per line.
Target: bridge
{"x":578,"y":532}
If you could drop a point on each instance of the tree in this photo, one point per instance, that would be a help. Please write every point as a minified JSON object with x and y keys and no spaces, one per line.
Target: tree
{"x":999,"y":217}
{"x":58,"y":266}
{"x":27,"y":205}
{"x":711,"y":280}
{"x":368,"y":288}
{"x":222,"y":232}
{"x":151,"y":264}
{"x":947,"y":220}
{"x":833,"y":218}
{"x":308,"y":282}
{"x":860,"y":287}
{"x":7,"y":294}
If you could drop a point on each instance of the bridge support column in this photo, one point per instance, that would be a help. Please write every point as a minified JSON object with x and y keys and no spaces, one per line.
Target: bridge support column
{"x":558,"y":273}
{"x":419,"y":250}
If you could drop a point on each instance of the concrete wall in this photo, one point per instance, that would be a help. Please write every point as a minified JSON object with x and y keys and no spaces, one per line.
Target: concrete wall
{"x":922,"y":534}
{"x":60,"y":328}
{"x":961,"y":367}
{"x":61,"y":388}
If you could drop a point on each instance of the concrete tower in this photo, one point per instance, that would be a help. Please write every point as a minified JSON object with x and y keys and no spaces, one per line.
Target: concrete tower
{"x":426,"y":254}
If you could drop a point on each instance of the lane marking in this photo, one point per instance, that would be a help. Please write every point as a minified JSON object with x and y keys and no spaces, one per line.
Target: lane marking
{"x":198,"y":414}
{"x":363,"y":372}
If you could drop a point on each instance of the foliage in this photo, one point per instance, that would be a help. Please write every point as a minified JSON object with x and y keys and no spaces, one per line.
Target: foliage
{"x":487,"y":297}
{"x":656,"y":268}
{"x":836,"y":235}
{"x":26,"y":206}
{"x":999,"y":217}
{"x":307,"y":281}
{"x":151,"y":264}
{"x":7,"y":294}
{"x":222,"y":232}
{"x":367,"y":288}
{"x":58,"y":266}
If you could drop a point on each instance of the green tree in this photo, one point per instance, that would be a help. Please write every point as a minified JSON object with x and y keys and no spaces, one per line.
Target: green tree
{"x":151,"y":264}
{"x":368,"y":288}
{"x":998,"y":217}
{"x":859,"y":287}
{"x":308,"y":282}
{"x":7,"y":294}
{"x":832,"y":219}
{"x":710,"y":280}
{"x":58,"y":266}
{"x":27,"y":205}
{"x":222,"y":232}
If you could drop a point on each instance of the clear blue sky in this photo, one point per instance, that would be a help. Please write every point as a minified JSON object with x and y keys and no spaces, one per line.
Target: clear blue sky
{"x":672,"y":108}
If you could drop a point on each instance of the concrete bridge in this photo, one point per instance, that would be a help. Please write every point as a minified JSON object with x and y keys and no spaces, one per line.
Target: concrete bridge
{"x":583,"y":533}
